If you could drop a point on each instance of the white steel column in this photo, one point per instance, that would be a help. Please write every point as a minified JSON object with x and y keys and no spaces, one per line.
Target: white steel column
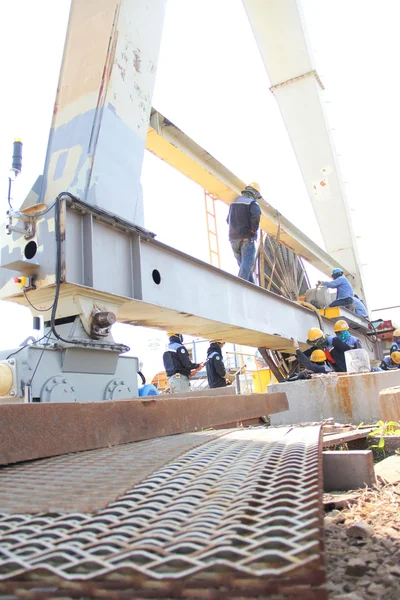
{"x":280,"y":34}
{"x":103,"y":103}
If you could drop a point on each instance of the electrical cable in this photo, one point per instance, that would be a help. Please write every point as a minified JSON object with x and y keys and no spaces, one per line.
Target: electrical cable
{"x":34,"y":307}
{"x":25,"y":346}
{"x":57,"y":204}
{"x":40,"y":357}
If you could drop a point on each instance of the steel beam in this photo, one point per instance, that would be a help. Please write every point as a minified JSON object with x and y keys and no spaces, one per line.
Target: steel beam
{"x":173,"y":146}
{"x":282,"y":40}
{"x":39,"y":430}
{"x":102,"y":109}
{"x":155,"y":285}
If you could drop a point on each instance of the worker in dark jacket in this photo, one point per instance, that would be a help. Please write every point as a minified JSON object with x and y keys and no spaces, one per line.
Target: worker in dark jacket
{"x":317,"y":363}
{"x":216,"y":372}
{"x":178,"y":365}
{"x":244,"y":221}
{"x":334,"y":347}
{"x":391,"y":362}
{"x":345,"y":294}
{"x":395,"y":347}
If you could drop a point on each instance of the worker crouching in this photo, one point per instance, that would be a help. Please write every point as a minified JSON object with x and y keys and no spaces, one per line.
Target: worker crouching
{"x":178,"y":365}
{"x":335,"y":346}
{"x":344,"y":291}
{"x":391,"y":362}
{"x":315,"y":364}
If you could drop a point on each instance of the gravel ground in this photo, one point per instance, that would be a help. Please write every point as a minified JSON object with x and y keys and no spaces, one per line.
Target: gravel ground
{"x":363,"y":547}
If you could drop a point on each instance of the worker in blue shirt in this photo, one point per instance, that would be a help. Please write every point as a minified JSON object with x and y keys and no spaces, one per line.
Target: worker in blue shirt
{"x":345,"y":294}
{"x":359,"y":305}
{"x":395,"y":347}
{"x":391,"y":362}
{"x":244,"y":221}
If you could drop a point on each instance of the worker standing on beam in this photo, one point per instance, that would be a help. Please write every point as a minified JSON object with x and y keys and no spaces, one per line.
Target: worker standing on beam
{"x":317,"y":363}
{"x":178,"y":365}
{"x":244,"y":221}
{"x":345,"y":294}
{"x":391,"y":362}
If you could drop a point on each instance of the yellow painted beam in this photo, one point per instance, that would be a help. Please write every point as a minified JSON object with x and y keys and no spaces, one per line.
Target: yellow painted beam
{"x":173,"y":146}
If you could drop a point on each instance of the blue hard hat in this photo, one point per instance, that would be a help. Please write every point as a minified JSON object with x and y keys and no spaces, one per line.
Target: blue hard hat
{"x":337,"y":272}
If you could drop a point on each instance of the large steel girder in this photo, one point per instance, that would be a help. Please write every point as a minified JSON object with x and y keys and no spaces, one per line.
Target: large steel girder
{"x":110,"y":264}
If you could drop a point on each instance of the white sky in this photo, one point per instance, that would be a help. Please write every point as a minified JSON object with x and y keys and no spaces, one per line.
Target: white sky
{"x":212,"y":84}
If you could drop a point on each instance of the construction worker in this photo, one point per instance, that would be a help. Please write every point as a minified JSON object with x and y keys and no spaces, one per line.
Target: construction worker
{"x":178,"y":365}
{"x":216,"y":372}
{"x":244,"y":220}
{"x":317,"y":363}
{"x":359,"y":306}
{"x":395,"y":347}
{"x":345,"y":294}
{"x":334,"y":347}
{"x":391,"y":362}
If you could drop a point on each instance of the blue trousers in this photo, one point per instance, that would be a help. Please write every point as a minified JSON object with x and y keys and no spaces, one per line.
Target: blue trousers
{"x":342,"y":302}
{"x":245,"y":253}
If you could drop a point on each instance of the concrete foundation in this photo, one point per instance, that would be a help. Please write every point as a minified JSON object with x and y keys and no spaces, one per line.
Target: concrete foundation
{"x":347,"y":398}
{"x":389,"y":404}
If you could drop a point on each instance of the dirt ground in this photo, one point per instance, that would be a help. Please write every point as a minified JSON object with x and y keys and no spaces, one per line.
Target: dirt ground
{"x":363,"y":546}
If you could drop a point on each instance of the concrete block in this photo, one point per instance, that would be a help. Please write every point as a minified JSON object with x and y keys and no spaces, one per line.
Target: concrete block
{"x":389,"y":469}
{"x":389,"y":404}
{"x":348,"y":470}
{"x":347,"y":398}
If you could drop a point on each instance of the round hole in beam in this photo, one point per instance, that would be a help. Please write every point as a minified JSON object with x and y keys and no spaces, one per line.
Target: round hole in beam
{"x":156,"y":276}
{"x":30,"y":250}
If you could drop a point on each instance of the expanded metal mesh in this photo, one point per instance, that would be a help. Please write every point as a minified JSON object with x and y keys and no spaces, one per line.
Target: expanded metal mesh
{"x":239,"y":516}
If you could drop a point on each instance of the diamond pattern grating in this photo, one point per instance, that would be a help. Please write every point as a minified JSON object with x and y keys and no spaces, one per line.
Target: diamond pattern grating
{"x":238,"y":517}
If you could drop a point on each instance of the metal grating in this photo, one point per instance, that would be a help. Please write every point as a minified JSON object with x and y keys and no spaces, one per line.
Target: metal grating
{"x":239,"y":516}
{"x":89,"y":481}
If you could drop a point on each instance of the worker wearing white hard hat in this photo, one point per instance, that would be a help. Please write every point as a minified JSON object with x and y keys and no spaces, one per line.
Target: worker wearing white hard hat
{"x":244,"y":221}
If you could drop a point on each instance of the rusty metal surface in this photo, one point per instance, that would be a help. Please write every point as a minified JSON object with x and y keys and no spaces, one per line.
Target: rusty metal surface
{"x":31,"y":431}
{"x":89,"y":481}
{"x":238,"y":517}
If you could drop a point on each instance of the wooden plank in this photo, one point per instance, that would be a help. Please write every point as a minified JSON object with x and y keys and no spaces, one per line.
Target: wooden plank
{"x":342,"y":438}
{"x":31,"y":431}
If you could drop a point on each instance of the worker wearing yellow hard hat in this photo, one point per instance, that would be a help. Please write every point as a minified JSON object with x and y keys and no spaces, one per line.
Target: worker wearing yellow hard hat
{"x":244,"y":221}
{"x":335,"y":346}
{"x":177,"y":364}
{"x":391,"y":362}
{"x":316,"y":363}
{"x":395,"y":347}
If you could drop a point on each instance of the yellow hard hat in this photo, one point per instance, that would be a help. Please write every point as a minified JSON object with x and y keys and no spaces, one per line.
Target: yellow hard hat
{"x":254,"y":186}
{"x":315,"y":334}
{"x":395,"y":356}
{"x":171,"y":333}
{"x":341,"y":325}
{"x":220,"y":342}
{"x":318,"y":356}
{"x":396,"y":333}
